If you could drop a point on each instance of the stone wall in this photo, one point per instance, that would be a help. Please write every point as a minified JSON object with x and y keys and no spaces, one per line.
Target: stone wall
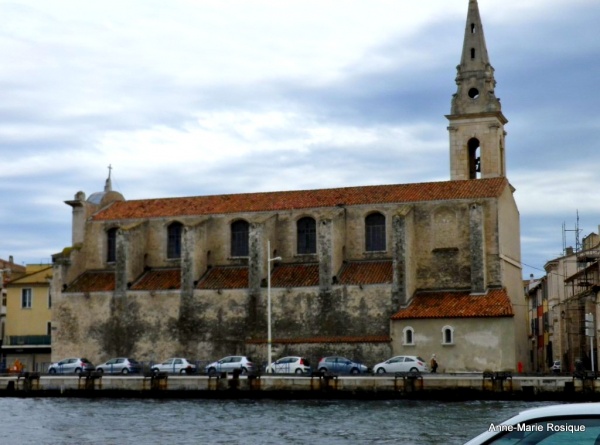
{"x":153,"y":326}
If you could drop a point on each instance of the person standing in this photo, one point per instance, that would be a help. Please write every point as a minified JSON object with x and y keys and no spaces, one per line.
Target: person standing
{"x":433,"y":364}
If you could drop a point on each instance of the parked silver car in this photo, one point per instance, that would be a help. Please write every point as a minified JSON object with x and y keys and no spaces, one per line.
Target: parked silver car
{"x":120,"y":365}
{"x":71,"y":365}
{"x":401,"y":363}
{"x":290,"y":365}
{"x":176,"y":365}
{"x":229,"y":364}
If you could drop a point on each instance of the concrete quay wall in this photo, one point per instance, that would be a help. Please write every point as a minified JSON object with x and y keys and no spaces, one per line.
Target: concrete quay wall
{"x":447,"y":387}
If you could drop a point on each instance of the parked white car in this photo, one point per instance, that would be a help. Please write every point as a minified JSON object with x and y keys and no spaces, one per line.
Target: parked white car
{"x":289,"y":365}
{"x":577,"y":423}
{"x":175,"y":365}
{"x":401,"y":363}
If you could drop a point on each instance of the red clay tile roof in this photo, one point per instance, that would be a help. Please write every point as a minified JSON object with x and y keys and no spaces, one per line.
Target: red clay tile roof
{"x":159,"y":279}
{"x":495,"y":303}
{"x":93,"y":281}
{"x":356,"y":339}
{"x":302,"y":199}
{"x":295,"y":275}
{"x":224,"y":277}
{"x":366,"y":272}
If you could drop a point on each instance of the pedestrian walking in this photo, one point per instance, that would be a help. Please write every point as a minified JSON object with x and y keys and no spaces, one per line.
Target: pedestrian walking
{"x":433,"y":364}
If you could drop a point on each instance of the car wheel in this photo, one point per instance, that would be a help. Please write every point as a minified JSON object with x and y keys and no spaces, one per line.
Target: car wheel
{"x":212,"y":371}
{"x":183,"y":371}
{"x":100,"y":370}
{"x":414,"y":370}
{"x":155,"y":370}
{"x":52,"y":371}
{"x":244,"y":371}
{"x":354,"y":371}
{"x":125,"y":371}
{"x":380,"y":370}
{"x":323,"y":370}
{"x":299,"y":371}
{"x":77,"y":370}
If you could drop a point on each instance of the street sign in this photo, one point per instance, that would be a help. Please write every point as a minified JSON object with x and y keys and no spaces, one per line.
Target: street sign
{"x":589,"y":325}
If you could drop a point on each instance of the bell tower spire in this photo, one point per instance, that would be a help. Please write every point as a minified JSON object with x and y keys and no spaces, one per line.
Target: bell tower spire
{"x":476,"y":123}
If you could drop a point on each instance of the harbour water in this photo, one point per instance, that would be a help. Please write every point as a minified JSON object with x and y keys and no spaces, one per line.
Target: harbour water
{"x":55,"y":421}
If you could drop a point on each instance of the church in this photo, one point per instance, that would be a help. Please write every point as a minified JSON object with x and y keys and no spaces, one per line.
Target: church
{"x":363,"y":272}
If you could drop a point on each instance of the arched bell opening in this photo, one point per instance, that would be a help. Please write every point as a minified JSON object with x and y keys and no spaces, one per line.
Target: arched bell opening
{"x":474,"y":158}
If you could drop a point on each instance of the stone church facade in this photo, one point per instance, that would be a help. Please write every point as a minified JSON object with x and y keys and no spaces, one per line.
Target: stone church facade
{"x":366,"y":272}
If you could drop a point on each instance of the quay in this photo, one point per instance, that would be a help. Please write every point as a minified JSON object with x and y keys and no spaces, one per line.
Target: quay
{"x":451,"y":387}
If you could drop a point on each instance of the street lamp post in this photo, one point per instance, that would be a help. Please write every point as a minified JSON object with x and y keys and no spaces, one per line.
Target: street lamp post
{"x":269,"y":260}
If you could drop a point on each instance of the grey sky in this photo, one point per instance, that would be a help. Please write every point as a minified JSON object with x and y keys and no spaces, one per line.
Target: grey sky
{"x":207,"y":97}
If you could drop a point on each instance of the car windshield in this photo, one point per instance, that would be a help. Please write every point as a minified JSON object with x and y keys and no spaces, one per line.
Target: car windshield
{"x":555,"y":431}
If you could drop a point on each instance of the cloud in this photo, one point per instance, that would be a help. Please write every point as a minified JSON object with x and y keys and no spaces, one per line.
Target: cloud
{"x":188,"y":98}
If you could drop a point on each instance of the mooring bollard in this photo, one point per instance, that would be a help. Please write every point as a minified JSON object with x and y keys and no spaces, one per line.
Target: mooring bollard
{"x":28,"y":379}
{"x":409,"y":381}
{"x":90,"y":377}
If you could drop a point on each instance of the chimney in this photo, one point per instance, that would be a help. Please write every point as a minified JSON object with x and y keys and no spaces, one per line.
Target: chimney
{"x":10,"y":259}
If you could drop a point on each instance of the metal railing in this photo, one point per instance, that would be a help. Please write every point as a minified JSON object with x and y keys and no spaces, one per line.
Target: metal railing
{"x":28,"y":340}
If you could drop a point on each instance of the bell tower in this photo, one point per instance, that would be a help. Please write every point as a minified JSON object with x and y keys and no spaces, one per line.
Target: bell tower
{"x":476,"y":121}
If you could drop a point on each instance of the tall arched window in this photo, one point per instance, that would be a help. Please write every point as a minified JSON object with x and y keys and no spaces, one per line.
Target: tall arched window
{"x":174,"y":232}
{"x":409,"y":338}
{"x":307,"y":235}
{"x":375,"y":232}
{"x":447,"y":335}
{"x":239,"y":238}
{"x":111,"y":245}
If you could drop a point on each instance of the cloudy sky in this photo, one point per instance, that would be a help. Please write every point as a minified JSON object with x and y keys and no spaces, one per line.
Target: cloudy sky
{"x":194,"y":97}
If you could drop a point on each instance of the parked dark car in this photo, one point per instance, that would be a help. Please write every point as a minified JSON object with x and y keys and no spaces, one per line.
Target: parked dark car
{"x":341,"y":365}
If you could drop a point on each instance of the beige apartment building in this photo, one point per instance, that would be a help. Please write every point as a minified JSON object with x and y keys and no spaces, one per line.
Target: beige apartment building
{"x":27,"y":335}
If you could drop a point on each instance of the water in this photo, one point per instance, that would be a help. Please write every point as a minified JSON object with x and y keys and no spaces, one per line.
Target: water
{"x":119,"y":421}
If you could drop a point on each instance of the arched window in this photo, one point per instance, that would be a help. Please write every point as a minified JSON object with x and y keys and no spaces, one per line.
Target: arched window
{"x":306,"y":229}
{"x":409,"y":335}
{"x":174,"y":240}
{"x":111,"y":245}
{"x":375,"y":232}
{"x":448,"y":335}
{"x":474,"y":158}
{"x":239,"y":238}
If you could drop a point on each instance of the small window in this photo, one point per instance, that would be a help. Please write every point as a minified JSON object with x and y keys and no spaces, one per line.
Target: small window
{"x":26,"y":298}
{"x":174,"y":240}
{"x":375,"y":232}
{"x":307,"y":235}
{"x":49,"y":299}
{"x":472,"y":53}
{"x":239,"y":238}
{"x":111,"y":245}
{"x":448,"y":335}
{"x":49,"y":328}
{"x":409,"y":338}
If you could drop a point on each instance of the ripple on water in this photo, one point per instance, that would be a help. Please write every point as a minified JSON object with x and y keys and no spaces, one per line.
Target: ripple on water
{"x":107,"y":421}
